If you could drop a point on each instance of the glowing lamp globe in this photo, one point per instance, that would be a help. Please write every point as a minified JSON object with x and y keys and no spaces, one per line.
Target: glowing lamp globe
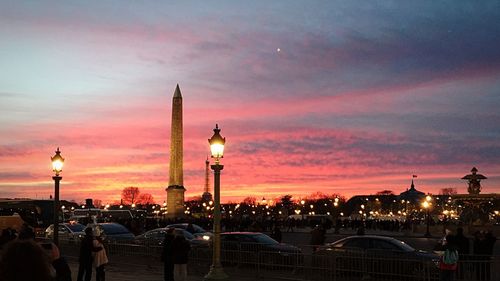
{"x":217,"y":144}
{"x":425,"y":204}
{"x":57,"y":162}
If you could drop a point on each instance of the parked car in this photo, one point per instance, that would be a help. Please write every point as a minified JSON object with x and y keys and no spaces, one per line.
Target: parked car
{"x":255,"y":247}
{"x":194,"y":229}
{"x":67,"y":231}
{"x":156,"y":236}
{"x":112,"y":232}
{"x":374,"y":256}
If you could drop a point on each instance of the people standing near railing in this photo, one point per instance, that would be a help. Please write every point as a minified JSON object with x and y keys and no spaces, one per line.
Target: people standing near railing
{"x":85,"y":258}
{"x":448,"y":261}
{"x":167,"y":255}
{"x":290,"y":222}
{"x":276,"y":234}
{"x":180,"y":249}
{"x":484,"y":243}
{"x":100,"y":259}
{"x":463,"y":252}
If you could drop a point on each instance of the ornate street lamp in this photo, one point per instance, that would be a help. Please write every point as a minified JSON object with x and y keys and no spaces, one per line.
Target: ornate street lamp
{"x":217,"y":148}
{"x":427,"y":204}
{"x":57,"y":165}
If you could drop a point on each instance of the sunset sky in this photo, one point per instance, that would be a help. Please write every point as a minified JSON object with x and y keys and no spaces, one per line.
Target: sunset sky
{"x":334,"y":96}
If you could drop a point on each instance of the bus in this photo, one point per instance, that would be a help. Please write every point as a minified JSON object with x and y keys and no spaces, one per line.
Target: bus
{"x":101,"y":214}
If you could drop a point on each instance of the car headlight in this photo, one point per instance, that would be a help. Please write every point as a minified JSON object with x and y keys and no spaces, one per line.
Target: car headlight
{"x":206,"y":237}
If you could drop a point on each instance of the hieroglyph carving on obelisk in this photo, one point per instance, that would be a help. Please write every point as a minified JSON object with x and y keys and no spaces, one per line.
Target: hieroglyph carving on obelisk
{"x":175,"y":190}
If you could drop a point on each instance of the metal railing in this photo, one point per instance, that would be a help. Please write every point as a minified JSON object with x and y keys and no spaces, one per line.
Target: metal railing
{"x":248,"y":259}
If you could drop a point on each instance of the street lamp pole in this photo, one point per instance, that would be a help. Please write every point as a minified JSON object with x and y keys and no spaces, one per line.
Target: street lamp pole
{"x":217,"y":148}
{"x":427,"y":232}
{"x":427,"y":205}
{"x":57,"y":164}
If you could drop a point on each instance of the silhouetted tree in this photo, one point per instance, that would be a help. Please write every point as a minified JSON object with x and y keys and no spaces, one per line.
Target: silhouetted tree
{"x":316,"y":196}
{"x":97,"y":203}
{"x":448,"y":191}
{"x":146,"y":199}
{"x":249,"y":200}
{"x":130,"y":195}
{"x":286,"y":201}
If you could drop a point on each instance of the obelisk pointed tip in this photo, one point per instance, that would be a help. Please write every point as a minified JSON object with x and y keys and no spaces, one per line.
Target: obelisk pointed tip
{"x":177,"y":93}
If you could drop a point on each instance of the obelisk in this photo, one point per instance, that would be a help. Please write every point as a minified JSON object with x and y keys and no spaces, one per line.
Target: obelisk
{"x":175,"y":189}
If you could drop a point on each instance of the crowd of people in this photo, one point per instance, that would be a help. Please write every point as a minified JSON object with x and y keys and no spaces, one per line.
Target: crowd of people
{"x":457,"y":258}
{"x":19,"y":251}
{"x":25,"y":259}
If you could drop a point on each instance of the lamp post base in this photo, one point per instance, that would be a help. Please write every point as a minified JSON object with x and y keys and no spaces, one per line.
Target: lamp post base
{"x":216,"y":273}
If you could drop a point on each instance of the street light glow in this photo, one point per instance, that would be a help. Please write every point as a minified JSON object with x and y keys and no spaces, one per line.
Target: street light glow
{"x":217,"y":144}
{"x":57,"y":162}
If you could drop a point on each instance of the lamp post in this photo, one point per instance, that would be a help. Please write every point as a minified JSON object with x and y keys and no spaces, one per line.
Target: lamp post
{"x":427,"y":204}
{"x":217,"y":149}
{"x":57,"y":165}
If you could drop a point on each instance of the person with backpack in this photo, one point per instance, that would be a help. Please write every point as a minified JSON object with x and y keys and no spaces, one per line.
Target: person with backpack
{"x":448,"y":262}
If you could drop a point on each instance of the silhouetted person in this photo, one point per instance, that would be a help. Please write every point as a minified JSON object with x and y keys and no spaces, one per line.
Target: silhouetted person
{"x":167,"y":255}
{"x":26,"y":232}
{"x":100,"y":259}
{"x":462,"y":242}
{"x":448,"y":263}
{"x":360,"y":231}
{"x":190,"y":228}
{"x":8,"y":234}
{"x":338,"y":224}
{"x":60,"y":265}
{"x":483,"y":249}
{"x":276,"y":234}
{"x":291,"y":224}
{"x":318,"y":236}
{"x":85,"y":258}
{"x":486,"y":249}
{"x":180,"y":248}
{"x":25,"y":260}
{"x":463,"y":250}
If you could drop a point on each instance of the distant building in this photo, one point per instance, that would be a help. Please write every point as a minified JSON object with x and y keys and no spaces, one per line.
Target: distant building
{"x":412,"y":195}
{"x":385,"y":204}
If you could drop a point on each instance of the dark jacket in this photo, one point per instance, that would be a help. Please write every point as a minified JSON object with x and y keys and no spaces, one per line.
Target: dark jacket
{"x":63,"y":272}
{"x":180,"y":248}
{"x":462,"y":244}
{"x":87,"y":247}
{"x":167,"y":252}
{"x":317,"y":236}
